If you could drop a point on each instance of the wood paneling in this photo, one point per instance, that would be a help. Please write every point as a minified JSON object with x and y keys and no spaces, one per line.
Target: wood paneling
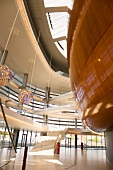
{"x":91,"y":61}
{"x":102,"y":13}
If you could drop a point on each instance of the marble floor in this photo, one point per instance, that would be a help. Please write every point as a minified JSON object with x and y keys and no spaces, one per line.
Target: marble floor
{"x":69,"y":158}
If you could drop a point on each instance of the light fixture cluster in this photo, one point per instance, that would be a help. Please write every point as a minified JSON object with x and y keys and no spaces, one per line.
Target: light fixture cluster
{"x":25,"y":96}
{"x":5,"y":75}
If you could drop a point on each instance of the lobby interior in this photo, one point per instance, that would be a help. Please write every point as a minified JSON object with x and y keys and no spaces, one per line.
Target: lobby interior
{"x":56,"y":77}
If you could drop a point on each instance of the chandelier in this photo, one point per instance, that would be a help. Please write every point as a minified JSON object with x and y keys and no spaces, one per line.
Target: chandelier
{"x":25,"y":96}
{"x":5,"y":75}
{"x":5,"y":72}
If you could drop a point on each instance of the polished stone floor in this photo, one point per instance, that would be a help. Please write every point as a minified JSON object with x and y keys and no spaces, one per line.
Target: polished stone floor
{"x":69,"y":158}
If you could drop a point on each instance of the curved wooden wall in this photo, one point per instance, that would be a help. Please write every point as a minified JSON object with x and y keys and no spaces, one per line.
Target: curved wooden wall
{"x":90,"y":56}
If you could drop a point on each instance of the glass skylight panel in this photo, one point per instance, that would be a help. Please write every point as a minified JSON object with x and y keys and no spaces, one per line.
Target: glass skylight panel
{"x":58,"y":22}
{"x":51,"y":3}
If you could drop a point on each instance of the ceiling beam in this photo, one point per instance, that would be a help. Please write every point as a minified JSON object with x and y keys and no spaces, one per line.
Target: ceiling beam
{"x":59,"y":39}
{"x":58,"y":9}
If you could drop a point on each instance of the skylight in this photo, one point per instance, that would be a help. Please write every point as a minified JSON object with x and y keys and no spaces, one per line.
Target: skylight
{"x":53,"y":3}
{"x":58,"y":23}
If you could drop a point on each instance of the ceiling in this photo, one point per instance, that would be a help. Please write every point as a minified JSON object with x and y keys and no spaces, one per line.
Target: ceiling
{"x":37,"y":15}
{"x":23,"y":55}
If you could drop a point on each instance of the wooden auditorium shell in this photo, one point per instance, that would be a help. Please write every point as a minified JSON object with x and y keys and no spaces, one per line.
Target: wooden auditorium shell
{"x":90,"y":58}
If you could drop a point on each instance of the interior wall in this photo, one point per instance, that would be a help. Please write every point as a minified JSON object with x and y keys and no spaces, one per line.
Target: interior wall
{"x":109,"y":144}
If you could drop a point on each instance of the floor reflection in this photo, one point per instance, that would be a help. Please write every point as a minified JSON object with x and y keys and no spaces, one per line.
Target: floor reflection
{"x":69,"y":158}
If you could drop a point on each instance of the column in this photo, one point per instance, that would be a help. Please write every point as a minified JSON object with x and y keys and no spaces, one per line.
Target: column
{"x":75,"y":141}
{"x":15,"y":137}
{"x":45,"y":117}
{"x":109,"y":144}
{"x":75,"y":135}
{"x":75,"y":122}
{"x":47,"y":96}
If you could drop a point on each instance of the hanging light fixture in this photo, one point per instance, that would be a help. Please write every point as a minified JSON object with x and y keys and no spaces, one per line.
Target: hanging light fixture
{"x":5,"y":75}
{"x":25,"y":96}
{"x":5,"y":72}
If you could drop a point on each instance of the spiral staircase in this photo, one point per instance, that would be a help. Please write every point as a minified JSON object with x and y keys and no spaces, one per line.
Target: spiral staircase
{"x":49,"y":141}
